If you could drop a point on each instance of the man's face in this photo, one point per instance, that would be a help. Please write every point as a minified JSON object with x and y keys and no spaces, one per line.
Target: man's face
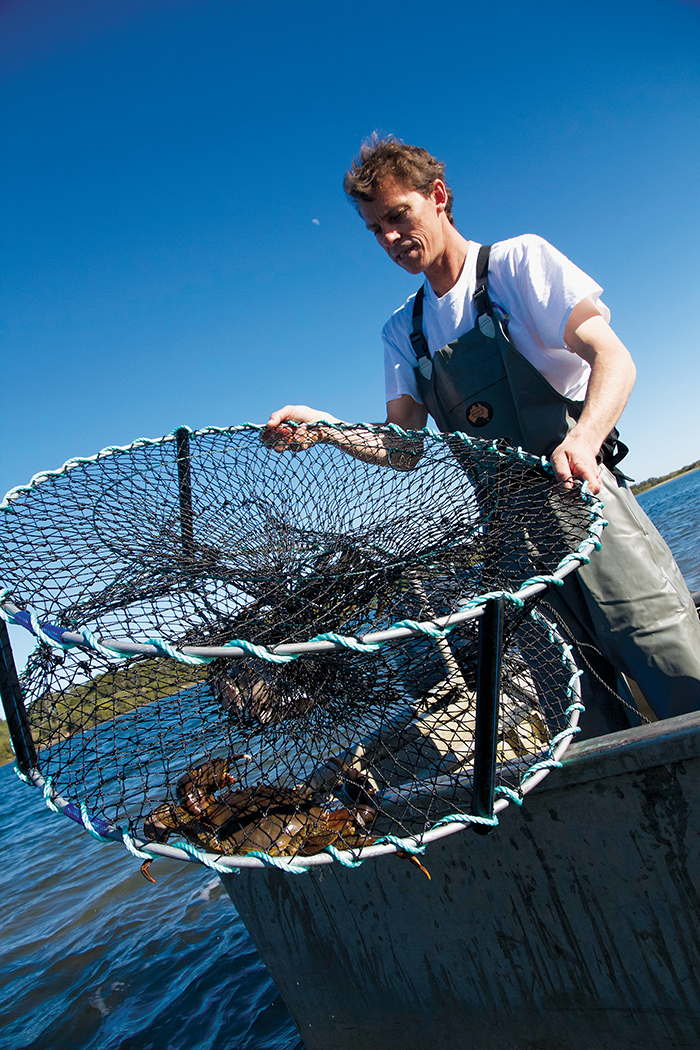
{"x":409,"y":226}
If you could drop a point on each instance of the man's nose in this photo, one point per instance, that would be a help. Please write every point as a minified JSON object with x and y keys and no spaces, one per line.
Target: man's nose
{"x":390,"y":237}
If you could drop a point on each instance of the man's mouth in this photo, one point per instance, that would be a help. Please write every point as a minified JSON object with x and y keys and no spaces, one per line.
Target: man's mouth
{"x":403,"y":252}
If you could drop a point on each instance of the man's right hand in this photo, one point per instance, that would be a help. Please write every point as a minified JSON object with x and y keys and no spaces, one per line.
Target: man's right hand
{"x":280,"y":437}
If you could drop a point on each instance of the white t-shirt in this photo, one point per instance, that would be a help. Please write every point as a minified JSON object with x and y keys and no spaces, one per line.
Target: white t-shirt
{"x":534,"y":283}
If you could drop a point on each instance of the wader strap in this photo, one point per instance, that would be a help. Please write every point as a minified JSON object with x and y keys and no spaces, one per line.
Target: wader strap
{"x":612,"y":451}
{"x":418,"y":340}
{"x":482,"y":302}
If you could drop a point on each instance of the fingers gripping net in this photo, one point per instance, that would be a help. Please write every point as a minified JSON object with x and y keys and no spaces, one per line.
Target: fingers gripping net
{"x":271,"y":659}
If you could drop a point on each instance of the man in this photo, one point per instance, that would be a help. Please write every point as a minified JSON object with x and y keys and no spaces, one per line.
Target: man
{"x":513,"y":341}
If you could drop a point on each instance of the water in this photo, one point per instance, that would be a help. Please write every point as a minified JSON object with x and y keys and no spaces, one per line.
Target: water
{"x":675,"y":510}
{"x":95,"y":958}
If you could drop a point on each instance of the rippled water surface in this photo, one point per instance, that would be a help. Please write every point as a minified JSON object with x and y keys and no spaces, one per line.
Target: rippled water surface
{"x":95,"y":958}
{"x":675,"y":510}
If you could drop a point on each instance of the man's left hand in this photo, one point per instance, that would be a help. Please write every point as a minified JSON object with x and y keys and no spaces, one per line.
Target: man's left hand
{"x":575,"y":460}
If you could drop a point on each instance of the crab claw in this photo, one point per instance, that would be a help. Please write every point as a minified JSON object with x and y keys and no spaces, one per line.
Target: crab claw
{"x":196,"y":787}
{"x":402,"y":855}
{"x":145,"y":872}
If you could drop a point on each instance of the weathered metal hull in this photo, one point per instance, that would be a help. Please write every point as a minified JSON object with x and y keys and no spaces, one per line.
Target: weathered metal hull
{"x":575,"y":926}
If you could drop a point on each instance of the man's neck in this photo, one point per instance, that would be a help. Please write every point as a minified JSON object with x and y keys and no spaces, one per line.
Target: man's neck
{"x":445,"y":271}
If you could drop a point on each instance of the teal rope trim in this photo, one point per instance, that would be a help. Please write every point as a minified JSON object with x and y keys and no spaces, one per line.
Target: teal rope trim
{"x":114,"y":450}
{"x":89,"y":826}
{"x":347,"y":642}
{"x":568,"y":732}
{"x":127,"y":838}
{"x":511,"y":795}
{"x":346,"y":858}
{"x":406,"y":847}
{"x":41,"y":634}
{"x":537,"y":616}
{"x":598,"y":523}
{"x":49,"y":794}
{"x":202,"y":857}
{"x":550,"y":579}
{"x":430,"y":629}
{"x":79,"y":461}
{"x":277,"y":862}
{"x":343,"y":857}
{"x":166,"y":649}
{"x":567,"y":660}
{"x":576,"y":706}
{"x":474,"y":603}
{"x":346,"y":861}
{"x":546,"y":763}
{"x":263,"y":652}
{"x":128,"y":841}
{"x":467,"y":818}
{"x":92,"y":642}
{"x":566,"y":651}
{"x":579,"y":556}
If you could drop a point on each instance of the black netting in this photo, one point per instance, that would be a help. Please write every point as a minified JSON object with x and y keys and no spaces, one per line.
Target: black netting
{"x":335,"y":747}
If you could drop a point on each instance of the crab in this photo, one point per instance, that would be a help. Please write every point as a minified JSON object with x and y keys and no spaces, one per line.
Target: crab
{"x":283,"y":822}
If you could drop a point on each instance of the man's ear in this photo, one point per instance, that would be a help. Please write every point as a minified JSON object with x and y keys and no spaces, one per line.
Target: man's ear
{"x":439,"y":194}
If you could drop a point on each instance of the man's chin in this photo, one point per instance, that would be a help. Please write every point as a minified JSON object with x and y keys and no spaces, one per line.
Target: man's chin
{"x":411,"y":264}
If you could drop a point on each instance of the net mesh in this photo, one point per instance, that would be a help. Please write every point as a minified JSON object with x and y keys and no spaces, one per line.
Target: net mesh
{"x":276,"y":753}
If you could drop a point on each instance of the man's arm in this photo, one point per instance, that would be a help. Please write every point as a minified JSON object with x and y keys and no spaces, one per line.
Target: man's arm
{"x":382,"y":449}
{"x":610,"y":384}
{"x":406,"y":413}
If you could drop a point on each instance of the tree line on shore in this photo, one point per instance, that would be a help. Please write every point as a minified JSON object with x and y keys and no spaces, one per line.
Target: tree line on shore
{"x":6,"y":752}
{"x":133,"y":683}
{"x":651,"y":482}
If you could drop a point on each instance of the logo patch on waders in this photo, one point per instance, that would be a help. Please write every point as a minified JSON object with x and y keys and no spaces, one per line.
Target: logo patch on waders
{"x":480,"y":413}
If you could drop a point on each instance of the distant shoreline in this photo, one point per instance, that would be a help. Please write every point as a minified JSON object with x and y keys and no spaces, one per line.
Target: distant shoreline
{"x":652,"y":483}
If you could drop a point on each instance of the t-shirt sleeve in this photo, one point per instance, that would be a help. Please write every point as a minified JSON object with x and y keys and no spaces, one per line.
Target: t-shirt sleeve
{"x":549,"y":286}
{"x":399,"y":377}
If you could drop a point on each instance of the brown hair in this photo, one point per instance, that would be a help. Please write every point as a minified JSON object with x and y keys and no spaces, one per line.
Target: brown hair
{"x":389,"y":158}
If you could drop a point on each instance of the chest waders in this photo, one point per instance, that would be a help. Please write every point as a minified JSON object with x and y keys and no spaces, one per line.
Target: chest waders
{"x":631,"y":601}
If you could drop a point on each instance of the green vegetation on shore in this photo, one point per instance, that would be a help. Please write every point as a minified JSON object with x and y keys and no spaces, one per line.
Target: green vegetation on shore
{"x":650,"y":483}
{"x":55,"y":716}
{"x":108,"y":695}
{"x":6,"y":752}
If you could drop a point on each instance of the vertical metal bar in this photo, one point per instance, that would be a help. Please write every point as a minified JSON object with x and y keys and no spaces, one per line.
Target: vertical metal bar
{"x":455,"y":675}
{"x":488,"y":693}
{"x":15,"y":711}
{"x":182,"y":438}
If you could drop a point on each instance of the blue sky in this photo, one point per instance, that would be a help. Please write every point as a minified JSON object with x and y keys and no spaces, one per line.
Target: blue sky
{"x":165,"y":161}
